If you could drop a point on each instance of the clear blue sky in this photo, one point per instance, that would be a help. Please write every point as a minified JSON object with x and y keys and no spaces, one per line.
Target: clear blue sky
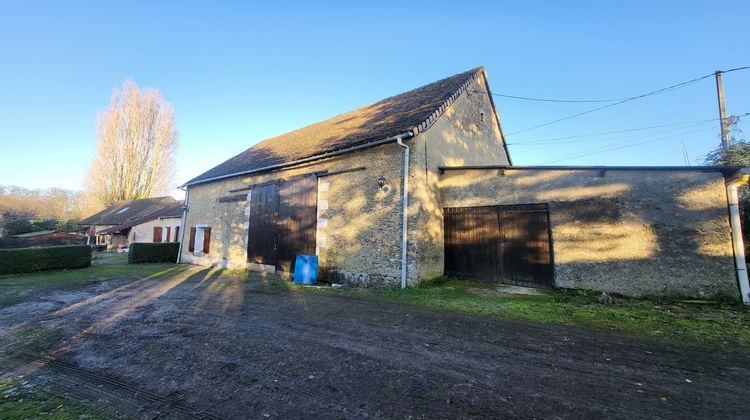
{"x":238,"y":73}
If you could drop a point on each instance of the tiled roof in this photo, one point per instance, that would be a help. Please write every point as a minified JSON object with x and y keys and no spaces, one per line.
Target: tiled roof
{"x":413,"y":111}
{"x":127,"y":210}
{"x":172,"y":210}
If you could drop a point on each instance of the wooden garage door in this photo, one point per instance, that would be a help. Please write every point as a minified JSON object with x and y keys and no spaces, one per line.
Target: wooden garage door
{"x":472,"y":245}
{"x":507,"y":244}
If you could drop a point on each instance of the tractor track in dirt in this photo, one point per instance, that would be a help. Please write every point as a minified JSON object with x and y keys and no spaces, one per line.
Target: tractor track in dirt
{"x":206,"y":349}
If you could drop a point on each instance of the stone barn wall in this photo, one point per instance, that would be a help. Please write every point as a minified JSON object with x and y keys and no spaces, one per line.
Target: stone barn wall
{"x":468,"y":133}
{"x":637,"y":233}
{"x":359,"y":224}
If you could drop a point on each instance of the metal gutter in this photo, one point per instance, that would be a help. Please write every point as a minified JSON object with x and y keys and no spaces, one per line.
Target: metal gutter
{"x":407,"y":134}
{"x":182,"y":225}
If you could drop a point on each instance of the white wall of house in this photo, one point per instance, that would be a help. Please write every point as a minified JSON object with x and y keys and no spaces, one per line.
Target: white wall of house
{"x":145,"y":231}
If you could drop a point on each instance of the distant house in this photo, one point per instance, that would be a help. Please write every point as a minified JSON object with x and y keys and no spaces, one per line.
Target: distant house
{"x":421,"y":185}
{"x":143,"y":220}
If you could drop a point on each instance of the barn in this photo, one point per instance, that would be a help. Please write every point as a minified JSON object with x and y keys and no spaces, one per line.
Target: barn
{"x":421,"y":184}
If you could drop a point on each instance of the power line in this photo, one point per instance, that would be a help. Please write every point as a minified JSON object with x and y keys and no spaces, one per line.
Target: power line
{"x":625,"y":100}
{"x":526,"y":98}
{"x":622,"y":146}
{"x":655,"y":92}
{"x":556,"y":140}
{"x":603,"y":133}
{"x":616,"y":138}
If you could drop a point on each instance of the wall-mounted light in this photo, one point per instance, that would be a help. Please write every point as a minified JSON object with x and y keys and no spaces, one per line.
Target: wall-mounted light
{"x":381,"y":181}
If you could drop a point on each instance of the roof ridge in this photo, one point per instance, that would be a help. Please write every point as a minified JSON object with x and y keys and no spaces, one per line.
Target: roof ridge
{"x":427,"y":123}
{"x":413,"y":112}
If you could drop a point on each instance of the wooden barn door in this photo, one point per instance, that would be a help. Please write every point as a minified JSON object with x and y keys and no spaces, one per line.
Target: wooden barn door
{"x":298,"y":215}
{"x":472,"y":243}
{"x":525,"y":245}
{"x":261,"y":235}
{"x":508,"y":244}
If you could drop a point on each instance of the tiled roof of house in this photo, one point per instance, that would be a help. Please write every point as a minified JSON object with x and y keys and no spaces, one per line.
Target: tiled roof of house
{"x":171,"y":210}
{"x":127,"y":210}
{"x":413,"y":111}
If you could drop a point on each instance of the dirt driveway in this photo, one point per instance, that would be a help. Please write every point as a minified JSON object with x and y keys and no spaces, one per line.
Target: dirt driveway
{"x":201,"y":344}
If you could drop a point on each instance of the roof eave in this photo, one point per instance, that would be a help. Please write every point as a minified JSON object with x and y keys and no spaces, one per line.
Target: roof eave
{"x":407,"y":134}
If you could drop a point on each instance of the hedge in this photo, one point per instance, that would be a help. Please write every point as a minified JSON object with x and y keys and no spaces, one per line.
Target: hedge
{"x":143,"y":252}
{"x":27,"y":260}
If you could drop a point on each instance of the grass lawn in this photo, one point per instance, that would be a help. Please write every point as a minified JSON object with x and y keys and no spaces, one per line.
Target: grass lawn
{"x":21,"y":400}
{"x":104,"y":266}
{"x":719,"y":324}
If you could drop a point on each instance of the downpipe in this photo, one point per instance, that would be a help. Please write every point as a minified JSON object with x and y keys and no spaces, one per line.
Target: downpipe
{"x":182,"y":225}
{"x":405,"y":212}
{"x":737,"y":241}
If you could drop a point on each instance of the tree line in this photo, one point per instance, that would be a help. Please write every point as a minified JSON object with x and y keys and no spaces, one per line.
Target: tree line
{"x":135,"y":158}
{"x":25,"y":210}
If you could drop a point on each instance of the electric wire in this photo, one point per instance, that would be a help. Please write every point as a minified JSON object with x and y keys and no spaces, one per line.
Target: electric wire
{"x":674,"y":126}
{"x":624,"y":146}
{"x":614,"y":102}
{"x":626,"y":137}
{"x":604,"y":133}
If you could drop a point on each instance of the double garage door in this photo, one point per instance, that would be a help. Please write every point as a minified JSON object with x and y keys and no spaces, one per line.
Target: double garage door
{"x":283,"y":217}
{"x":503,"y":244}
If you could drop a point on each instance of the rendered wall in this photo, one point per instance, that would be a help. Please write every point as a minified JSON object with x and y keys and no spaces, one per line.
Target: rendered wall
{"x":145,"y":231}
{"x":637,"y":233}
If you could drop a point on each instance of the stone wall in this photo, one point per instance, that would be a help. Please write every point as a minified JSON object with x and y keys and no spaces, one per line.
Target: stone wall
{"x":467,"y":133}
{"x":637,"y":233}
{"x":359,"y":223}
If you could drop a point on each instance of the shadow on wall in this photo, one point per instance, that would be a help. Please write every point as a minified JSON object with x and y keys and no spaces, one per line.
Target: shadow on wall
{"x":633,"y":233}
{"x":362,"y":240}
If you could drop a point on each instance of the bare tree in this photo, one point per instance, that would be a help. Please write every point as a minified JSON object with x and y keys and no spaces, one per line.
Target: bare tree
{"x":137,"y":140}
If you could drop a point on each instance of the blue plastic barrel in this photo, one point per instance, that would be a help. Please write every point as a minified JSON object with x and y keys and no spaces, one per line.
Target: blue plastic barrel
{"x":306,"y":269}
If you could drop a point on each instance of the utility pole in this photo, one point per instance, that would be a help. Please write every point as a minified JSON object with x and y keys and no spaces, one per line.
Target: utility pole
{"x":722,"y":112}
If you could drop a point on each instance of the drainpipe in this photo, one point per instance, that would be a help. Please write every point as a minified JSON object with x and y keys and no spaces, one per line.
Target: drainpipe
{"x":182,"y":225}
{"x":405,"y":206}
{"x":734,"y":221}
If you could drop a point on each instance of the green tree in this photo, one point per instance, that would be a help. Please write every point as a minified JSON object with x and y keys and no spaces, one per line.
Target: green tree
{"x":737,"y":154}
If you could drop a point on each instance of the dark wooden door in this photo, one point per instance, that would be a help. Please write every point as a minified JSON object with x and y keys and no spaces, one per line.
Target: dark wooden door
{"x":261,"y":240}
{"x":525,"y":245}
{"x":508,"y":244}
{"x":472,"y":243}
{"x":295,"y":230}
